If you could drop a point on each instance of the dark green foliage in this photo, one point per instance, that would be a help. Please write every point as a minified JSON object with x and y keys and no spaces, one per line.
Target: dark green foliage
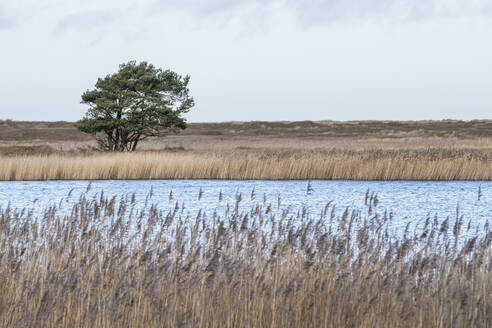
{"x":137,"y":102}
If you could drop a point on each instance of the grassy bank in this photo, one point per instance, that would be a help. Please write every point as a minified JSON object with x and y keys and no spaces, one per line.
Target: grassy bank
{"x":427,"y":164}
{"x":359,"y":150}
{"x":107,"y":264}
{"x":20,"y":131}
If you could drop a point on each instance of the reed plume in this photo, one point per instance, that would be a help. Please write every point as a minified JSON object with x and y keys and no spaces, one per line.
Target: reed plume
{"x":115,"y":263}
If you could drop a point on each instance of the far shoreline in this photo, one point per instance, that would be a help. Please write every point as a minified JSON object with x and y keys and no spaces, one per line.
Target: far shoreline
{"x":444,"y":150}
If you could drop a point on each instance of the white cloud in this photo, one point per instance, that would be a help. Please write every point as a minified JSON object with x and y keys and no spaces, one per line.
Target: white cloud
{"x":314,"y":12}
{"x":252,"y":59}
{"x":89,"y":19}
{"x":326,"y":11}
{"x":5,"y":21}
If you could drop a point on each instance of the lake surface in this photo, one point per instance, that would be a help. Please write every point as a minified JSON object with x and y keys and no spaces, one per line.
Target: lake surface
{"x":408,"y":201}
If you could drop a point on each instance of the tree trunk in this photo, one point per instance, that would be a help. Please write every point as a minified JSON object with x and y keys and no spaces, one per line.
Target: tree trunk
{"x":134,"y":146}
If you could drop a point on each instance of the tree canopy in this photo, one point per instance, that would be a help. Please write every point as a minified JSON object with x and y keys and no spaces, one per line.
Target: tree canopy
{"x":137,"y":102}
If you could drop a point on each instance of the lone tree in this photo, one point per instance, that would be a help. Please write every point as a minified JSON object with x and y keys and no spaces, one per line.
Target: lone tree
{"x":137,"y":102}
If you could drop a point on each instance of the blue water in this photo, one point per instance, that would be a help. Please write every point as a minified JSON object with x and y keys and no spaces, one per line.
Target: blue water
{"x":408,"y":201}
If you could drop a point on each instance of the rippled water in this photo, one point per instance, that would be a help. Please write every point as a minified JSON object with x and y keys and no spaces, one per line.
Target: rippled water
{"x":409,"y":201}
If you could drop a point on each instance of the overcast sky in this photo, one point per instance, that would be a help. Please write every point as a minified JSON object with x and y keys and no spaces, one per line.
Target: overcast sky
{"x":256,"y":60}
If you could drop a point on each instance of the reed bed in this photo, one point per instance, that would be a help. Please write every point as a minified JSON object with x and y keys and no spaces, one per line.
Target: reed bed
{"x":116,"y":263}
{"x":431,"y":164}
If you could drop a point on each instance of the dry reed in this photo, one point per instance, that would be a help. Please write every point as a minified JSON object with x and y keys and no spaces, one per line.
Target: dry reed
{"x":271,"y":165}
{"x":108,"y":264}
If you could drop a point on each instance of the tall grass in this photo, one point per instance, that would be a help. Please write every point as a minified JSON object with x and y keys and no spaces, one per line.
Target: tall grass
{"x":109,"y":264}
{"x":255,"y":164}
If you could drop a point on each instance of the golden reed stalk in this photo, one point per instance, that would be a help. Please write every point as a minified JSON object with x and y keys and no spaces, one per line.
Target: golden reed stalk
{"x":108,"y":264}
{"x":274,"y":165}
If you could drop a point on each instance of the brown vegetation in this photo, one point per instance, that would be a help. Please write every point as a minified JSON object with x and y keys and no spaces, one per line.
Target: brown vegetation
{"x":107,"y":264}
{"x":20,"y":131}
{"x":362,"y":150}
{"x":335,"y":164}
